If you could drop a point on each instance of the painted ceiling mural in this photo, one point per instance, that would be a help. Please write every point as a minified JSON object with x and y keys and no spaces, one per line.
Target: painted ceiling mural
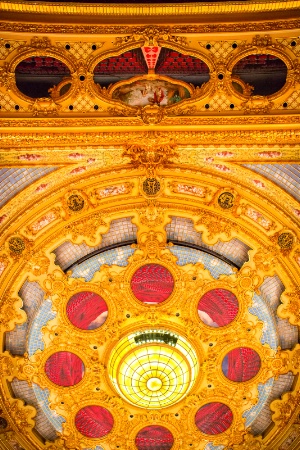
{"x":150,"y":249}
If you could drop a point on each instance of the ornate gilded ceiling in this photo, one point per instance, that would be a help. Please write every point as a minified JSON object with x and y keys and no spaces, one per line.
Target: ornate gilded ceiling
{"x":149,"y":254}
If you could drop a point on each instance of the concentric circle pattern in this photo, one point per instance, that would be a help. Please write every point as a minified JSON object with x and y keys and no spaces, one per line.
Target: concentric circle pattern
{"x":94,"y":421}
{"x":87,"y":310}
{"x":241,"y":364}
{"x":152,"y":283}
{"x":213,"y":418}
{"x":64,"y":369}
{"x":154,"y":437}
{"x":153,"y":374}
{"x":218,"y":308}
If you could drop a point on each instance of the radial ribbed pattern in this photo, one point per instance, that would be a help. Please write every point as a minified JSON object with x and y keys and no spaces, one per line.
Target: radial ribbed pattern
{"x":241,"y":364}
{"x":152,"y":283}
{"x":218,"y":307}
{"x":64,"y":369}
{"x":94,"y":421}
{"x":153,"y":375}
{"x":154,"y":437}
{"x":214,"y":418}
{"x":87,"y":310}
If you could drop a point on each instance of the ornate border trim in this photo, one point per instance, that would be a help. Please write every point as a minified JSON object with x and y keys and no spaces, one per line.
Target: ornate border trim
{"x":150,"y":10}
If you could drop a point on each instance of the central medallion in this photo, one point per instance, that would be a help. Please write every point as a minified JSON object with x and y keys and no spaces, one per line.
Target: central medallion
{"x":153,"y":368}
{"x":154,"y":384}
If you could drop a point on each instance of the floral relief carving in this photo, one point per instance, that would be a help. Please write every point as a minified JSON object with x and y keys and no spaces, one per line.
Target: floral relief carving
{"x":88,"y":228}
{"x":291,"y":306}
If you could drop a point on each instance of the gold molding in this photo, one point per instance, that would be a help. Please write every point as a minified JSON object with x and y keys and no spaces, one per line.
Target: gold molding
{"x":153,"y":10}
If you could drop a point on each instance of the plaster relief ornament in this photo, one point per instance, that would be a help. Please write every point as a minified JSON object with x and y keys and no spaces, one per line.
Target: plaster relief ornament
{"x":75,"y":202}
{"x":151,"y":186}
{"x":151,"y":153}
{"x":286,"y":240}
{"x":44,"y":107}
{"x":226,"y":200}
{"x":16,"y":245}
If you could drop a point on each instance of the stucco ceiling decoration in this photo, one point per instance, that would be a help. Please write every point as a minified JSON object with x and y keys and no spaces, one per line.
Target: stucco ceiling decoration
{"x":157,"y":339}
{"x":149,"y":248}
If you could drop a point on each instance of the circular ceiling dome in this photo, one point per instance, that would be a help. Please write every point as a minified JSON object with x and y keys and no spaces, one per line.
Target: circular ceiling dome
{"x":152,"y":283}
{"x":153,"y":369}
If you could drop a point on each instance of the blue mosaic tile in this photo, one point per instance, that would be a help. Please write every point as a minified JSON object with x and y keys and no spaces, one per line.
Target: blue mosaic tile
{"x":13,"y":181}
{"x":182,"y":229}
{"x":95,"y":448}
{"x":282,"y":384}
{"x":43,"y":425}
{"x":42,"y":397}
{"x":263,"y":313}
{"x":120,"y":230}
{"x":287,"y":176}
{"x":188,"y":255}
{"x":35,"y":340}
{"x":88,"y":268}
{"x":211,"y":446}
{"x":264,"y":391}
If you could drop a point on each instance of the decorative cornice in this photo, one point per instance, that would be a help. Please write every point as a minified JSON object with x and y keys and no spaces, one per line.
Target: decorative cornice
{"x":156,"y":9}
{"x":54,"y":122}
{"x":289,"y":24}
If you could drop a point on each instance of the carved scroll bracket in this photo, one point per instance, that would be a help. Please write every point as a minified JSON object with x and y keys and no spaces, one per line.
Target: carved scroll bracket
{"x":151,"y":153}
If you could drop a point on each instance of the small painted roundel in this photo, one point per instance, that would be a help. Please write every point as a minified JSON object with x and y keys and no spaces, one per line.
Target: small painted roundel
{"x":64,"y":369}
{"x":218,"y":308}
{"x":87,"y":310}
{"x":241,"y":364}
{"x":213,"y":418}
{"x":94,"y":421}
{"x":152,"y":283}
{"x":154,"y":437}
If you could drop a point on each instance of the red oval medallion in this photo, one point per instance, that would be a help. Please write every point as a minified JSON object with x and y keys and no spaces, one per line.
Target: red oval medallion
{"x":241,"y":364}
{"x":94,"y":421}
{"x":152,"y":283}
{"x":64,"y":369}
{"x":87,"y":310}
{"x":154,"y":437}
{"x":214,"y":418}
{"x":218,"y":307}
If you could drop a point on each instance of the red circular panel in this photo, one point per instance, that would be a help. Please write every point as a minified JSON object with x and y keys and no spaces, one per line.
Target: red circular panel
{"x":154,"y":437}
{"x":152,"y":283}
{"x":213,"y":418}
{"x":241,"y":364}
{"x":64,"y":369}
{"x":218,"y":307}
{"x":87,"y":310}
{"x":94,"y":421}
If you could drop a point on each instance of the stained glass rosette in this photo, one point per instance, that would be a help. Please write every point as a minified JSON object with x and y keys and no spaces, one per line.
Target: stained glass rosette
{"x":156,"y":372}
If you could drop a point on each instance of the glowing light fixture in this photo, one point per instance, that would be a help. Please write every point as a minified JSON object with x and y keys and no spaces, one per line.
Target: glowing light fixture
{"x":153,"y":368}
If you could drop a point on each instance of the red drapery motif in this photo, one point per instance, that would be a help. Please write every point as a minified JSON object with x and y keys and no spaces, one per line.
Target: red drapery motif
{"x":221,"y":305}
{"x":213,"y":418}
{"x":83,"y":308}
{"x":154,"y":437}
{"x":94,"y":421}
{"x":242,"y":364}
{"x":64,"y":369}
{"x":152,"y":283}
